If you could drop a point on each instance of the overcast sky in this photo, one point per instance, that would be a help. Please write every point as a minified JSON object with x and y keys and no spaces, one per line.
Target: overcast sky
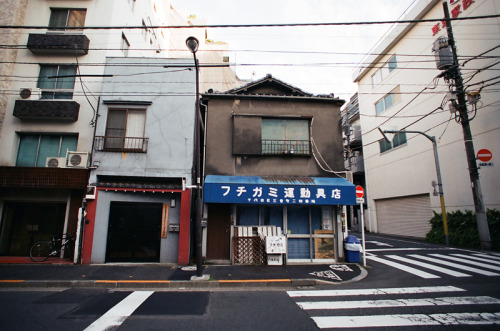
{"x":318,"y":60}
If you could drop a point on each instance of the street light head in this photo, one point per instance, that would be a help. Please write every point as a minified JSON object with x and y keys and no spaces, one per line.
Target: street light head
{"x":192,"y":43}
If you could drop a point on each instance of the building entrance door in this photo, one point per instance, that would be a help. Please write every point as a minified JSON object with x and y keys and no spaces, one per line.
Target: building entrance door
{"x":218,"y":232}
{"x":134,"y":232}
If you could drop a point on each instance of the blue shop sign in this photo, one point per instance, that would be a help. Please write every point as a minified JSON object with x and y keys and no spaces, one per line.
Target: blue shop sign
{"x":279,"y":190}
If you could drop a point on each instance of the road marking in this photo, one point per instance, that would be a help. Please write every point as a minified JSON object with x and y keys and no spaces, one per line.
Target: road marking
{"x":378,"y":243}
{"x":119,"y":313}
{"x":489,"y":256}
{"x":478,"y":258}
{"x":407,"y":320}
{"x":400,"y":266}
{"x":456,"y":265}
{"x":476,"y":263}
{"x":429,"y":266}
{"x":444,"y":301}
{"x":375,"y":291}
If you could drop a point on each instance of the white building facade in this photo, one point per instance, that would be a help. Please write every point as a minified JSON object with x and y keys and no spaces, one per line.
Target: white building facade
{"x":400,"y":89}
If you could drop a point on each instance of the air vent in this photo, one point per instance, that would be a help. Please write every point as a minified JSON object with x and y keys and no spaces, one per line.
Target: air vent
{"x":77,"y":160}
{"x":55,"y":162}
{"x":30,"y":93}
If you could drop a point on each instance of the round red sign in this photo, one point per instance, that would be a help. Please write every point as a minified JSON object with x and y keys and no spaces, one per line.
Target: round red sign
{"x":484,"y":155}
{"x":359,"y":191}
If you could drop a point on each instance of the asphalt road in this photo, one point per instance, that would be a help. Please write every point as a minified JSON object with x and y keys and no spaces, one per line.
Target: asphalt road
{"x":410,"y":286}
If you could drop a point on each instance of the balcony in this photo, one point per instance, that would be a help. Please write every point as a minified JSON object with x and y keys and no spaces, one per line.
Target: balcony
{"x":357,"y":164}
{"x":71,"y":44}
{"x":355,"y":136}
{"x":27,"y":177}
{"x":57,"y":109}
{"x":286,"y":147}
{"x":121,"y":144}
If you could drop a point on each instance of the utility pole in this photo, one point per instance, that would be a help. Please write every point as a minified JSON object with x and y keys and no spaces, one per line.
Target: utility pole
{"x":454,"y":73}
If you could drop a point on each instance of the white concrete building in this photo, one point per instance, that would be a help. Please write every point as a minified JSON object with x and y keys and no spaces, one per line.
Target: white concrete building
{"x":399,"y":89}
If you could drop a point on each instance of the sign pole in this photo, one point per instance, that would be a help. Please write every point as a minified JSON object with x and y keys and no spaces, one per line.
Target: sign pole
{"x":362,"y":231}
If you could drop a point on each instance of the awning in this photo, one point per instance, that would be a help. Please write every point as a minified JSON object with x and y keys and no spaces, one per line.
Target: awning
{"x":276,"y":190}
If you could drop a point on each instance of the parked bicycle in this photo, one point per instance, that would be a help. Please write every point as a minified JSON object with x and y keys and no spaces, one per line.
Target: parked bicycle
{"x":42,"y":250}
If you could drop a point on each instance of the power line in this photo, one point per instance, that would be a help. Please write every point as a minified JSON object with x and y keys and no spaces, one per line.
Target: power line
{"x":270,"y":25}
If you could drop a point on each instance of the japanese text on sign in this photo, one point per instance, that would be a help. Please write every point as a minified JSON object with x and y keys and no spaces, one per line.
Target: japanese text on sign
{"x":275,"y":245}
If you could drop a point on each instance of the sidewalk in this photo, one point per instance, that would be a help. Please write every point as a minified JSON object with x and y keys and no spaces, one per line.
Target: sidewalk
{"x":167,"y":276}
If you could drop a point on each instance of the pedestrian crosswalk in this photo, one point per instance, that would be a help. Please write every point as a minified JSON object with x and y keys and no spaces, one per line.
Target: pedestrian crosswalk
{"x":369,"y":307}
{"x":433,"y":266}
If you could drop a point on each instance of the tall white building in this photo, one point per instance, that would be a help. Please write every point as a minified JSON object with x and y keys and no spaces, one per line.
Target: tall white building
{"x":400,"y":89}
{"x":53,"y":73}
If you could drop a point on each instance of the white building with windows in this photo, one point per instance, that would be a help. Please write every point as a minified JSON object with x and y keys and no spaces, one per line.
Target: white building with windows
{"x":50,"y":98}
{"x":399,"y":88}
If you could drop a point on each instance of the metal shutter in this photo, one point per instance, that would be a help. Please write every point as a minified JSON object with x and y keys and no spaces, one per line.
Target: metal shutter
{"x":405,"y":216}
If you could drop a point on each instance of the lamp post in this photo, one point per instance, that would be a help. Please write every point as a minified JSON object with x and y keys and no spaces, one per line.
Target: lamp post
{"x":438,"y":170}
{"x":192,"y":43}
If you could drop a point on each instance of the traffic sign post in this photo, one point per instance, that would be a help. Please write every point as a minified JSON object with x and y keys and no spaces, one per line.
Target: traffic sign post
{"x":359,"y":194}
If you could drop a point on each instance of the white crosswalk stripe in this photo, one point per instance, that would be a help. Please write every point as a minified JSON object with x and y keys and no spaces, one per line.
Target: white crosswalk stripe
{"x":468,"y":261}
{"x":455,"y":265}
{"x":334,"y":313}
{"x":430,"y":266}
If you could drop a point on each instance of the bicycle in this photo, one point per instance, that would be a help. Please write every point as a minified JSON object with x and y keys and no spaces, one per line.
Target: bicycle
{"x":42,"y":250}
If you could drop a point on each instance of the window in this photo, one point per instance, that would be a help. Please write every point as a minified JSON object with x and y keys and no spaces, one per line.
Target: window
{"x":285,"y":136}
{"x":383,"y":72}
{"x":125,"y":45}
{"x":388,"y":101}
{"x":125,"y":130}
{"x":57,"y":81}
{"x":34,"y":149}
{"x":63,"y":18}
{"x":398,"y":140}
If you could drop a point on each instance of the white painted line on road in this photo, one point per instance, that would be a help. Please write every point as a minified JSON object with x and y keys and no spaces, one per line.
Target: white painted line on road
{"x":489,"y":256}
{"x":403,"y":267}
{"x":429,"y":266}
{"x":375,"y":291}
{"x":119,"y":313}
{"x":425,"y":302}
{"x":456,"y":265}
{"x":468,"y":261}
{"x":478,"y":258}
{"x":407,"y":320}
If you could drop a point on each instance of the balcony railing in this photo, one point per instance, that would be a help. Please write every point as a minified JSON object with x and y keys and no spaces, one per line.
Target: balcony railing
{"x":286,"y":147}
{"x":121,"y":144}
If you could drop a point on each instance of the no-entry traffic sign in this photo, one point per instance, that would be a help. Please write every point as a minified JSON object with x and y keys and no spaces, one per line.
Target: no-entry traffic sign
{"x":359,"y":191}
{"x":484,"y":155}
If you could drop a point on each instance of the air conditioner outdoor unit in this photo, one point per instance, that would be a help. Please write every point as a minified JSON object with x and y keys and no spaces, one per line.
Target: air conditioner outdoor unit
{"x":77,"y":160}
{"x":55,"y":162}
{"x":30,"y":93}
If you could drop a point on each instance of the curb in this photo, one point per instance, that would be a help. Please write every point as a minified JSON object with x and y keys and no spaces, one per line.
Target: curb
{"x":139,"y":284}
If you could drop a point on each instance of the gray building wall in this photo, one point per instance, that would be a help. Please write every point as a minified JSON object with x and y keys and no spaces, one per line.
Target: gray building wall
{"x":325,"y":131}
{"x":169,"y":245}
{"x":169,"y":118}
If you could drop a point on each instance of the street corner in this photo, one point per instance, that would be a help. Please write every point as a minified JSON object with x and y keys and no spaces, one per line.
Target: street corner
{"x":336,"y":273}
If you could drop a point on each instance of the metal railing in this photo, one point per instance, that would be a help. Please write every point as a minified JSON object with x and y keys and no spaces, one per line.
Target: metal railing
{"x":121,"y":144}
{"x":286,"y":147}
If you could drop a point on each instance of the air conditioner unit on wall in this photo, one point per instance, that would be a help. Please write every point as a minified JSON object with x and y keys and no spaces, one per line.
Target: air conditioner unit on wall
{"x":77,"y":160}
{"x":55,"y":162}
{"x":30,"y":93}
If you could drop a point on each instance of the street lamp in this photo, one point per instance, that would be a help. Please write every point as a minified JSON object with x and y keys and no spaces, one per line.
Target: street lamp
{"x":438,"y":170}
{"x":192,"y":43}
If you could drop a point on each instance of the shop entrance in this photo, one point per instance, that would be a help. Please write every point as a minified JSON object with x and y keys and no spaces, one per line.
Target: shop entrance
{"x":23,"y":223}
{"x":218,"y":232}
{"x":134,"y":232}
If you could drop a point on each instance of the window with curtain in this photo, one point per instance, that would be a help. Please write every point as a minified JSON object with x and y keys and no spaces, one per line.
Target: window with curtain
{"x":285,"y":136}
{"x":125,"y":130}
{"x":57,"y":81}
{"x":62,"y":18}
{"x":34,"y":149}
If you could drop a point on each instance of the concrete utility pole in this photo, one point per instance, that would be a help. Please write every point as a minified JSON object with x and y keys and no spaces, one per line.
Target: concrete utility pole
{"x":454,"y":72}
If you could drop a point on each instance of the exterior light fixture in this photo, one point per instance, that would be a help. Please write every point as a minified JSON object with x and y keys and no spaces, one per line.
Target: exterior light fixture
{"x":192,"y":43}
